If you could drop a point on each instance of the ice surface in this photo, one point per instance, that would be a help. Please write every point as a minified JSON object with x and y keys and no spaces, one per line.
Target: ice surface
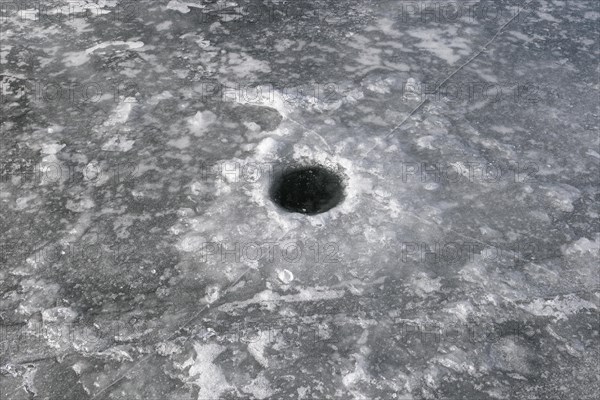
{"x":142,"y":257}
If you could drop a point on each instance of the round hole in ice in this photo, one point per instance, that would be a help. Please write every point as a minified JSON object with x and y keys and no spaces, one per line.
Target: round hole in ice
{"x":307,"y":189}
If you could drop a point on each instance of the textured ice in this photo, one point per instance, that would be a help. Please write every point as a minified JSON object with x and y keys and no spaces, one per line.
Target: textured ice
{"x":142,"y":257}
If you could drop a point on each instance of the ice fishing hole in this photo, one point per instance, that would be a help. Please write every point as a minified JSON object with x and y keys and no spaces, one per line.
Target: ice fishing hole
{"x":307,"y":189}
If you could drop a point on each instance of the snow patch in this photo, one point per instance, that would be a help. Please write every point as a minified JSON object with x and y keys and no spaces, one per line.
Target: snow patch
{"x":103,"y":45}
{"x":200,"y":122}
{"x":559,"y":308}
{"x":203,"y":373}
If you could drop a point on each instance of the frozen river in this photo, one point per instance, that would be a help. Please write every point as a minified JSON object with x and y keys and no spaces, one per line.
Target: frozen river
{"x":299,"y":200}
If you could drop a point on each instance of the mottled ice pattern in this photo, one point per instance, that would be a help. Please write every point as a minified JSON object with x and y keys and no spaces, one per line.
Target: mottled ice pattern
{"x":141,"y":256}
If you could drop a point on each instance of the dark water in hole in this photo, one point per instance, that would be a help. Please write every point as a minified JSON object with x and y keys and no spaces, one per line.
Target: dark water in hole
{"x":307,"y":190}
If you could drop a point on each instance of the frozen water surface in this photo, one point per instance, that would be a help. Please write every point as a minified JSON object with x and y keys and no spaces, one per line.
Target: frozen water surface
{"x":143,"y":257}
